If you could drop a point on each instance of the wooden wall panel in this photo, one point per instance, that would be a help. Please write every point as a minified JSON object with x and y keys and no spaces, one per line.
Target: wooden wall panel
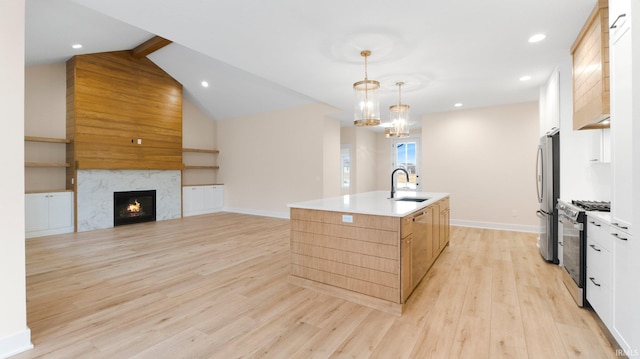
{"x":112,"y":101}
{"x":357,"y":259}
{"x":363,"y":256}
{"x":590,"y":53}
{"x":372,"y":289}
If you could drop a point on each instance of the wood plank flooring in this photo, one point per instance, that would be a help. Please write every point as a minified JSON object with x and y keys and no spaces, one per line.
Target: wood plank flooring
{"x":215,"y":286}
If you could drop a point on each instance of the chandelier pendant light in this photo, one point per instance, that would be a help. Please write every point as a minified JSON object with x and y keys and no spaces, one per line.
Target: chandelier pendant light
{"x":367,"y":106}
{"x":399,"y":115}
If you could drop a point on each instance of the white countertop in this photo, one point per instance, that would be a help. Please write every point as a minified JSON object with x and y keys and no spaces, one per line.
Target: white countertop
{"x":375,"y":203}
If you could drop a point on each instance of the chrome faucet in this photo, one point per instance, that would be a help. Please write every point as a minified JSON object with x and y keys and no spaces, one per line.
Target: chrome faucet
{"x":406,"y":174}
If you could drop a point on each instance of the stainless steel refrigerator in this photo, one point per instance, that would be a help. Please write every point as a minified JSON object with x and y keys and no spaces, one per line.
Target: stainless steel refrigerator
{"x":548,"y":189}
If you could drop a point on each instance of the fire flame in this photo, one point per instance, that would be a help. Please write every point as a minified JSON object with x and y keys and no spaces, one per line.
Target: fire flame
{"x":134,"y":207}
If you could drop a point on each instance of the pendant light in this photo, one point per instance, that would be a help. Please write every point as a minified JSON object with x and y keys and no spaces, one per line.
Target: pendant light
{"x":399,"y":115}
{"x":367,"y":106}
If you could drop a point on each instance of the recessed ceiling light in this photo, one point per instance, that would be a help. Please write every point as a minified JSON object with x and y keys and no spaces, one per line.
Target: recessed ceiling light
{"x":77,"y":46}
{"x":525,"y":78}
{"x":459,"y":104}
{"x":537,"y":38}
{"x":205,"y":84}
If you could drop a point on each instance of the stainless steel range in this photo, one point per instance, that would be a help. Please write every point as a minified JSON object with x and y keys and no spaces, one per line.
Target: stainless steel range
{"x":573,"y":236}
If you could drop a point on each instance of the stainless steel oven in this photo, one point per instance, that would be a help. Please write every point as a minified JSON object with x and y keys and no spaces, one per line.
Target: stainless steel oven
{"x":573,"y":237}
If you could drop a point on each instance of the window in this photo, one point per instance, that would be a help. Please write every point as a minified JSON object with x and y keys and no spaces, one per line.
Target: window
{"x":345,"y":160}
{"x":406,"y":154}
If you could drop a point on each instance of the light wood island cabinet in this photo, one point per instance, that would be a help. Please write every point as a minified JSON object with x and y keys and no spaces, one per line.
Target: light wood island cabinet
{"x":376,"y":256}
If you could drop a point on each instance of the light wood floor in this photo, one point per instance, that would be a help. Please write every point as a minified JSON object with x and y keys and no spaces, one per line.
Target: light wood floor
{"x":215,"y":286}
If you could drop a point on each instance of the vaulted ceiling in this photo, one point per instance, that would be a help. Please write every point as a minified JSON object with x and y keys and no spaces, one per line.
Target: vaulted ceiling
{"x":260,"y":56}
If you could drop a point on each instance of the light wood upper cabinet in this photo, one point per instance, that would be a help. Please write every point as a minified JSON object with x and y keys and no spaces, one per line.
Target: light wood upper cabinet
{"x":591,"y":104}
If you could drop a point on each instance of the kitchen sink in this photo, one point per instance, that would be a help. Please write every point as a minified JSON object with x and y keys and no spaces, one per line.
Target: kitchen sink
{"x":411,"y":199}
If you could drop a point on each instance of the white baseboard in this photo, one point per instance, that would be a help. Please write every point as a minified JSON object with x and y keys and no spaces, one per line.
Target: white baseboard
{"x":283,"y":215}
{"x":16,"y":343}
{"x":202,"y":211}
{"x":48,"y":232}
{"x":498,"y":226}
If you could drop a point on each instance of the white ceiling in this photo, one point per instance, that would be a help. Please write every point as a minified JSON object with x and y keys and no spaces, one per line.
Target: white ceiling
{"x":260,"y":56}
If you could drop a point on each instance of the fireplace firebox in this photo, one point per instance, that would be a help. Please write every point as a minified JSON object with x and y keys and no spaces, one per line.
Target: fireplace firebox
{"x":134,"y":207}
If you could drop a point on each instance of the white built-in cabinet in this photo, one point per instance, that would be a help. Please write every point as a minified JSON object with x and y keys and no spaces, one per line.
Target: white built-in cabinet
{"x":600,"y":146}
{"x":599,"y":269}
{"x":626,"y":291}
{"x":625,"y":251}
{"x":612,"y":288}
{"x":202,"y":199}
{"x":621,"y":134}
{"x":549,"y":105}
{"x":48,"y":213}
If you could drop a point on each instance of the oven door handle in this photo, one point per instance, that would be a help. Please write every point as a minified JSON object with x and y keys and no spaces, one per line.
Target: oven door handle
{"x":568,"y":221}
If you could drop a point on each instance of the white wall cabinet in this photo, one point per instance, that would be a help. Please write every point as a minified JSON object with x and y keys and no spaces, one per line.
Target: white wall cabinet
{"x":550,"y":103}
{"x":48,"y":213}
{"x":600,"y":147}
{"x":202,"y":199}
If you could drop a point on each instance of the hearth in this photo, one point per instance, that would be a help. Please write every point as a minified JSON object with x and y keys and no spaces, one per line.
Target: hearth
{"x":134,"y":207}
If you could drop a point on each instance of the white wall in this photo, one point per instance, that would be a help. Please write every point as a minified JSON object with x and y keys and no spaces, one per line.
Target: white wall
{"x":272,"y":159}
{"x":331,"y":171}
{"x":365,"y":158}
{"x":485,"y":158}
{"x":14,"y":333}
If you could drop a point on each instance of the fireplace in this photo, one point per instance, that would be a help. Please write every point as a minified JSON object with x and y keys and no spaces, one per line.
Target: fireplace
{"x":134,"y":207}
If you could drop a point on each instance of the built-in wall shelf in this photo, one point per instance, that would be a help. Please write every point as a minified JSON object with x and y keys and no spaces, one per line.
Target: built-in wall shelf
{"x":204,"y":162}
{"x":46,"y":139}
{"x":203,"y":184}
{"x":48,"y":191}
{"x":46,"y":164}
{"x":199,"y":150}
{"x":201,"y":167}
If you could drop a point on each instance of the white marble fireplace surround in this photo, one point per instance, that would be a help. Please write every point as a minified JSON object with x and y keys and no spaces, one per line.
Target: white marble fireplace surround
{"x":96,"y":187}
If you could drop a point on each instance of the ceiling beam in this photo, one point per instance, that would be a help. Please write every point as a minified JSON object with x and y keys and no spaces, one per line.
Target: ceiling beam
{"x":153,"y":44}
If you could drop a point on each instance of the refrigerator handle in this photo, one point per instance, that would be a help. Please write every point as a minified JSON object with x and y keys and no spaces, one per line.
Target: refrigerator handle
{"x":539,"y":168}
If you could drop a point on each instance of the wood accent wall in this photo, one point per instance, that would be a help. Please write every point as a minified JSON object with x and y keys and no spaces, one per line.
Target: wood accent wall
{"x":113,"y":100}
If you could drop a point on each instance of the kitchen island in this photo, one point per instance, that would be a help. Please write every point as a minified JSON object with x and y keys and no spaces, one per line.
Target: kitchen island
{"x":366,"y":247}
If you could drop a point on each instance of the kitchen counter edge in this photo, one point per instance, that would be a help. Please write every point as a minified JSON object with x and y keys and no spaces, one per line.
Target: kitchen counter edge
{"x":372,"y":203}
